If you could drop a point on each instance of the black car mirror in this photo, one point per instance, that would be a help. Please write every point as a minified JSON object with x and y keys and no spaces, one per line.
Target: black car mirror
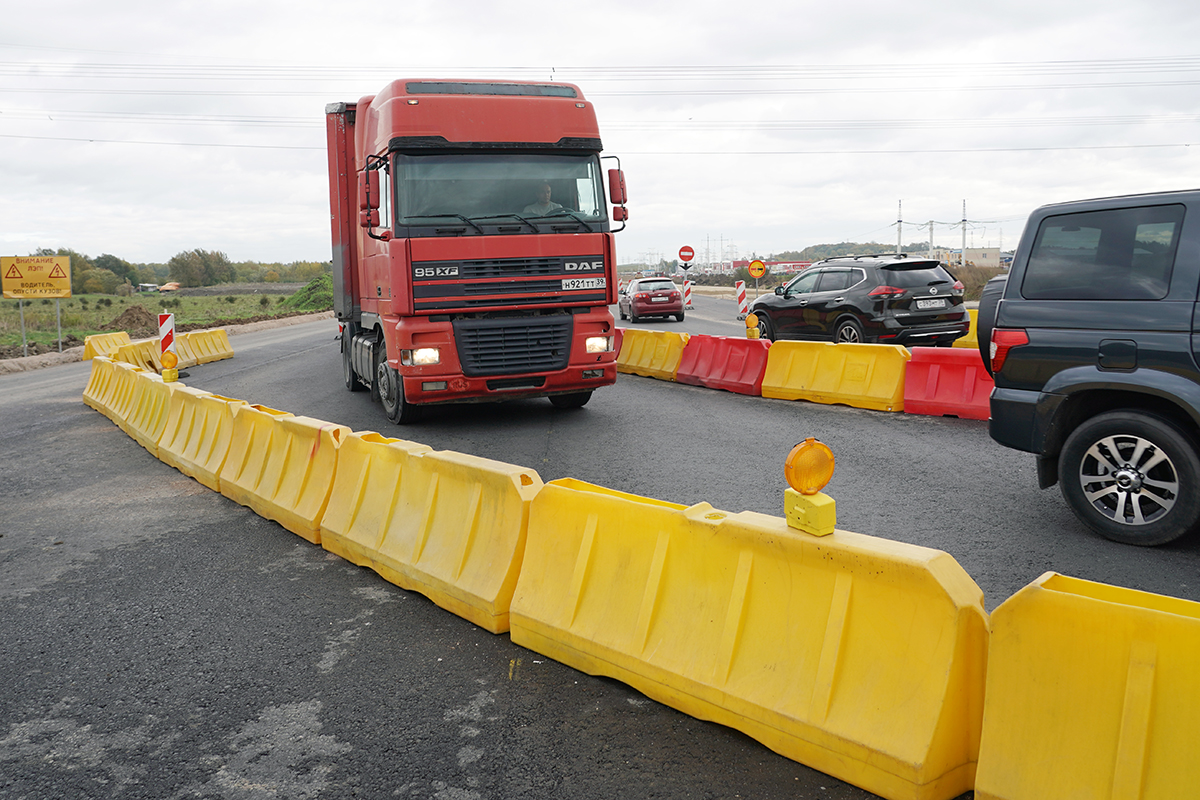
{"x":779,"y":290}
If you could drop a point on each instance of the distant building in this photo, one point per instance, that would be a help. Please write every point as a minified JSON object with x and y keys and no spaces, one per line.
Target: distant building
{"x":991,"y":257}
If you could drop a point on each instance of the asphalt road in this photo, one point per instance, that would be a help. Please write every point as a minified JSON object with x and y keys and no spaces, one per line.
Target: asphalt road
{"x":160,"y":641}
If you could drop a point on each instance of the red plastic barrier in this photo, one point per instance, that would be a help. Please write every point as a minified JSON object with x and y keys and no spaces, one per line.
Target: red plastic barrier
{"x":734,"y":364}
{"x":943,"y":381}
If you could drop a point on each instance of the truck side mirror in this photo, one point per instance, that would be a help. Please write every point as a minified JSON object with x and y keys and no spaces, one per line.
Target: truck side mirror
{"x":368,"y":198}
{"x":616,"y":187}
{"x":620,"y":214}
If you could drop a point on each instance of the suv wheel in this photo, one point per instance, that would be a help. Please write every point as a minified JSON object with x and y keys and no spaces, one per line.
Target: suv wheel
{"x":766,"y":330}
{"x":1132,"y":477}
{"x":848,"y":332}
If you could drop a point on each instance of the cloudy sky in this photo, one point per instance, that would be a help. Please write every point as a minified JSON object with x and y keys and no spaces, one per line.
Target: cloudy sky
{"x":143,"y":129}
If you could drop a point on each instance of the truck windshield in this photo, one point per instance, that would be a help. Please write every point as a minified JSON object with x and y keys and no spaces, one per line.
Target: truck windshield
{"x":483,"y":185}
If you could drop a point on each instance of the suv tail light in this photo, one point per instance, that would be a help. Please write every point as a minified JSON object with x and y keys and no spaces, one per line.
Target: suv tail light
{"x":886,"y":292}
{"x":958,"y":288}
{"x":1004,"y":340}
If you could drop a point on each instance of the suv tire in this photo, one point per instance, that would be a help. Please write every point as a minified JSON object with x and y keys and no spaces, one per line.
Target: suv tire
{"x":1136,"y":466}
{"x":848,"y":332}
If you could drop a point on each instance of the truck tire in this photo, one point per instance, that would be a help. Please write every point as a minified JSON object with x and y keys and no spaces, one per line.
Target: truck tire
{"x":1132,"y":477}
{"x":391,"y":391}
{"x":985,"y":320}
{"x":577,"y":400}
{"x":348,"y":373}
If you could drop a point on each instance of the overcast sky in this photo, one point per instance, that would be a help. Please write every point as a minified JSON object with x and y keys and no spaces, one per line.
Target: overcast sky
{"x":144,"y":129}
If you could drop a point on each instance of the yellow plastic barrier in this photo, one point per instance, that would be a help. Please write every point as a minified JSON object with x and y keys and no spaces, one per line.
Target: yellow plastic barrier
{"x":654,"y":354}
{"x":859,"y":375}
{"x":142,"y":353}
{"x":365,"y":489}
{"x":972,"y":337}
{"x":210,"y":345}
{"x":121,"y":396}
{"x":148,"y":411}
{"x":448,"y":525}
{"x":185,"y":351}
{"x":98,"y":393}
{"x":1091,"y":693}
{"x":282,"y":466}
{"x":103,"y":344}
{"x":860,"y":657}
{"x":199,"y":431}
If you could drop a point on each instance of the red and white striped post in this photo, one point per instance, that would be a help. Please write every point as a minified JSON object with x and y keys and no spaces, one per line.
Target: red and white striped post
{"x":743,"y":304}
{"x":687,"y":295}
{"x":166,"y":347}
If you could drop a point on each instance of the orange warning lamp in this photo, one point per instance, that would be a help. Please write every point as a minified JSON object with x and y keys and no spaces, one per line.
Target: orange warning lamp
{"x":169,"y":360}
{"x":808,"y":468}
{"x":752,"y":331}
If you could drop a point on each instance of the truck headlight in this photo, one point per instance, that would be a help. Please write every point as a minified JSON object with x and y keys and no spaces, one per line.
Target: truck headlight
{"x":421,"y":357}
{"x":599,"y":344}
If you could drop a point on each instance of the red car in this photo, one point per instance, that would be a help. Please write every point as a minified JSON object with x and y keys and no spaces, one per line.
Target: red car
{"x":650,"y":297}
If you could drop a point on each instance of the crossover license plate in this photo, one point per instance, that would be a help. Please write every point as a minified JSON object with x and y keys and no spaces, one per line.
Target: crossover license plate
{"x":925,"y":305}
{"x":582,"y":283}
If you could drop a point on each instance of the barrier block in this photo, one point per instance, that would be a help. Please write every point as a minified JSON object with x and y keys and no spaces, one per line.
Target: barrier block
{"x":943,"y":381}
{"x":210,"y":345}
{"x":860,"y":657}
{"x":282,"y":466}
{"x":972,"y":337}
{"x":365,"y":490}
{"x":100,"y":385}
{"x":103,"y":344}
{"x":654,"y":354}
{"x":121,"y":396}
{"x":142,"y":353}
{"x":454,"y":530}
{"x":858,"y":375}
{"x":1091,"y":693}
{"x":198,"y":434}
{"x":724,"y":362}
{"x":185,"y":351}
{"x":148,"y":411}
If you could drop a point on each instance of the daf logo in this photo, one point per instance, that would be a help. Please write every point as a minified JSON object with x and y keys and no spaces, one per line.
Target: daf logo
{"x":933,"y":290}
{"x":435,"y":272}
{"x":580,"y":266}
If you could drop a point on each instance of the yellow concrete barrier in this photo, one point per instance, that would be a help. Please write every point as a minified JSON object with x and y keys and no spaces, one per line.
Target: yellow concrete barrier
{"x":98,"y":393}
{"x":103,"y":344}
{"x":654,"y":354}
{"x":210,"y":345}
{"x":365,"y":491}
{"x":859,"y":375}
{"x":282,"y":466}
{"x":972,"y":337}
{"x":142,"y":353}
{"x":148,"y":411}
{"x":198,"y":434}
{"x":1091,"y":693}
{"x":860,"y":657}
{"x":448,"y":525}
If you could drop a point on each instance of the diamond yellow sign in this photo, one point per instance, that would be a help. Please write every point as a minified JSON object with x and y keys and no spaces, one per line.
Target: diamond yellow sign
{"x":28,"y":277}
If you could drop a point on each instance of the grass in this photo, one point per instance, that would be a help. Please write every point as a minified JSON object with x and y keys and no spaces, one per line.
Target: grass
{"x":84,"y":315}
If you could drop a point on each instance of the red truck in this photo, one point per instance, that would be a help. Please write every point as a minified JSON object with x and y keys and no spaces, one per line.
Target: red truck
{"x":473,"y":257}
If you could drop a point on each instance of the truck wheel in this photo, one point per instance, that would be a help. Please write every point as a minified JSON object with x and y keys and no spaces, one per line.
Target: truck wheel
{"x":348,"y":373}
{"x":577,"y":400}
{"x":1132,"y":477}
{"x":391,"y":394}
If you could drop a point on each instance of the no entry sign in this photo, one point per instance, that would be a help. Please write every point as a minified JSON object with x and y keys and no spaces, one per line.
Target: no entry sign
{"x":686,"y":254}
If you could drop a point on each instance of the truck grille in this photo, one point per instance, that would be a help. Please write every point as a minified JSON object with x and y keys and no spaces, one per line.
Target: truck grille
{"x":500,"y":282}
{"x":508,"y":346}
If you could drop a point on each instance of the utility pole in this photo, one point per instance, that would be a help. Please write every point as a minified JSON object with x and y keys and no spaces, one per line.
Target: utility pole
{"x":963,"y":257}
{"x":899,"y":224}
{"x":931,"y":238}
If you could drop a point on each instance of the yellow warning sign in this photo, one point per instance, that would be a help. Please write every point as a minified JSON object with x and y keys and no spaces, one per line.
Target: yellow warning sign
{"x":27,"y":277}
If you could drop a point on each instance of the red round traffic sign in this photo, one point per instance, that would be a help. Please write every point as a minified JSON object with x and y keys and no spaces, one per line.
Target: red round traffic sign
{"x":686,"y":253}
{"x":758,"y":268}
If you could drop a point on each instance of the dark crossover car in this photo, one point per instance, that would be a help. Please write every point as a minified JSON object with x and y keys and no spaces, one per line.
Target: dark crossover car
{"x":1092,"y":341}
{"x":650,"y":297}
{"x":889,"y":299}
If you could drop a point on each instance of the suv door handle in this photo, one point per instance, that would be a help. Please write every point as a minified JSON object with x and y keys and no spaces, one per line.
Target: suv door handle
{"x":839,"y":299}
{"x":803,"y":302}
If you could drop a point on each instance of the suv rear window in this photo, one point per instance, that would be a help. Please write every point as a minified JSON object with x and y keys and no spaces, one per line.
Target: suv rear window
{"x":904,"y":277}
{"x":1123,"y":254}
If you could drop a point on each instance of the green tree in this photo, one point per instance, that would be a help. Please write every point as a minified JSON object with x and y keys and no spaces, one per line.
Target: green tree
{"x":101,"y":281}
{"x":119,"y":267}
{"x":201,"y":268}
{"x":80,"y":264}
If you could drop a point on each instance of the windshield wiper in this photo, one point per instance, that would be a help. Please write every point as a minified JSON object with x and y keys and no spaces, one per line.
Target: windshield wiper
{"x":560,"y":212}
{"x":514,"y":216}
{"x":456,"y":216}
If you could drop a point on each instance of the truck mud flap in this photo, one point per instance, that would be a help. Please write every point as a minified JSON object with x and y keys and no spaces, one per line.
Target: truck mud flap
{"x":860,"y":657}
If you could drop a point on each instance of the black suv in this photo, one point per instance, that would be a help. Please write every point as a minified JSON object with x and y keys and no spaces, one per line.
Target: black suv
{"x":1092,"y":343}
{"x":890,"y":299}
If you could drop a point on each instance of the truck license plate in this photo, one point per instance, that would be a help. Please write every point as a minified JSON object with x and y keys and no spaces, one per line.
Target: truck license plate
{"x":582,"y":283}
{"x":924,"y":305}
